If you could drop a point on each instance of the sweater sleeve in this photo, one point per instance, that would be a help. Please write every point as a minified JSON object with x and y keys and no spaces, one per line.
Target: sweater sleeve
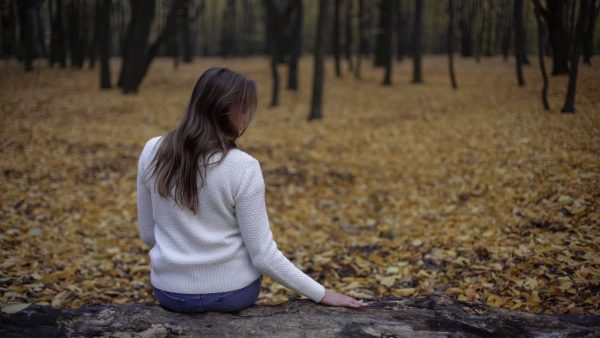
{"x":251,"y":213}
{"x":144,"y":205}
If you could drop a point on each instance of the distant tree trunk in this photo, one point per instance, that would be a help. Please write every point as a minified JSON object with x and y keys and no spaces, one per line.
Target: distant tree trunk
{"x":362,"y":38}
{"x":186,"y":34}
{"x":139,"y":53}
{"x":104,"y":9}
{"x":296,"y":43}
{"x":336,"y":37}
{"x":25,"y":9}
{"x":588,"y":38}
{"x":491,"y":17}
{"x":228,"y":35}
{"x":541,"y":49}
{"x":40,"y":30}
{"x":451,"y":43}
{"x":349,"y":40}
{"x":380,"y":45}
{"x":8,"y":36}
{"x":417,"y":43}
{"x":480,"y":23}
{"x":388,"y":39}
{"x":75,"y":45}
{"x":61,"y":40}
{"x":582,"y":21}
{"x":519,"y":47}
{"x":319,"y":69}
{"x":507,"y":31}
{"x":465,"y":23}
{"x":273,"y":29}
{"x":401,"y":32}
{"x":559,"y":37}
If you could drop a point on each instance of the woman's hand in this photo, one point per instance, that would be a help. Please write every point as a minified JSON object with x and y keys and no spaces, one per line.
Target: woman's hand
{"x":336,"y":299}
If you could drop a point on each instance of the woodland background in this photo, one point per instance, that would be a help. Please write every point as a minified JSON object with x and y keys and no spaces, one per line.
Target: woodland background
{"x":406,"y":145}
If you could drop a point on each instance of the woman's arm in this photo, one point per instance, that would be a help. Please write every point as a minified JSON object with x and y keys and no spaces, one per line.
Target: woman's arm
{"x":144,"y":205}
{"x":252,"y":218}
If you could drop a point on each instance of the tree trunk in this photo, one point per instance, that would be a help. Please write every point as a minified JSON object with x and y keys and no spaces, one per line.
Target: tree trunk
{"x":228,"y":33}
{"x":296,"y":43}
{"x":467,"y":13}
{"x":429,"y":316}
{"x":519,"y":43}
{"x":336,"y":37}
{"x":273,"y":29}
{"x":541,"y":49}
{"x":559,"y":38}
{"x":451,"y":43}
{"x":380,"y":45}
{"x":588,"y":38}
{"x":362,"y":38}
{"x":104,"y":8}
{"x":139,"y":54}
{"x":316,"y":105}
{"x":582,"y":21}
{"x":418,"y":41}
{"x":25,"y":9}
{"x":40,"y":31}
{"x":388,"y":39}
{"x":401,"y":32}
{"x":507,"y":31}
{"x":349,"y":38}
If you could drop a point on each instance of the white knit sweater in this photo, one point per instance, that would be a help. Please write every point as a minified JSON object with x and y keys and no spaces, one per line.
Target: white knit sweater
{"x":227,"y":244}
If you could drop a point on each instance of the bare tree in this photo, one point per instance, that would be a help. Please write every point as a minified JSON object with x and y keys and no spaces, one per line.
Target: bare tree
{"x":582,"y":21}
{"x":541,"y":51}
{"x":519,"y":41}
{"x":451,"y":43}
{"x":316,"y":105}
{"x":103,"y":35}
{"x":387,"y":40}
{"x":418,"y":42}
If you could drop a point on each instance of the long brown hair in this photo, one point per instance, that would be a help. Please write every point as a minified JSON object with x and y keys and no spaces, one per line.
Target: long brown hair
{"x":204,"y":131}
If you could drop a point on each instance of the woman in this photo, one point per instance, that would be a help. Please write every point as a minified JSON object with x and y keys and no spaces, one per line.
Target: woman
{"x":201,"y":207}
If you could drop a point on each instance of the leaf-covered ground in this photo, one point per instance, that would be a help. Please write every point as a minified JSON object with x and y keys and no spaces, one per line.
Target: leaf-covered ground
{"x":398,"y":191}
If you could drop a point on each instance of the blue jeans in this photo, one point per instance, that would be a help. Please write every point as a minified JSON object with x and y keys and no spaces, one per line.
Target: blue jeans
{"x":222,"y":301}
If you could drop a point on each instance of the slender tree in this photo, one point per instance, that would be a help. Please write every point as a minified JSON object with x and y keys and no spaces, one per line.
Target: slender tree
{"x":25,"y":9}
{"x":451,"y":43}
{"x":319,"y":69}
{"x":555,"y":15}
{"x":296,"y":43}
{"x":387,"y":39}
{"x":582,"y":21}
{"x":103,"y":35}
{"x":519,"y":42}
{"x":418,"y":42}
{"x":541,"y":51}
{"x":401,"y":33}
{"x":362,"y":37}
{"x":348,"y":34}
{"x":588,"y":38}
{"x":336,"y":37}
{"x":139,"y":53}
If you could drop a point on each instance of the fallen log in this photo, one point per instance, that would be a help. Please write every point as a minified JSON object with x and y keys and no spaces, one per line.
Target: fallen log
{"x":429,"y":316}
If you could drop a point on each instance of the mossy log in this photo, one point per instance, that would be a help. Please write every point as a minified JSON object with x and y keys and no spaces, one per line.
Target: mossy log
{"x":430,"y":316}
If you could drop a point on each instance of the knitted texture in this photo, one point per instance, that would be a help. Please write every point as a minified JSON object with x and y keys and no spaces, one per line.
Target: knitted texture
{"x":227,"y":244}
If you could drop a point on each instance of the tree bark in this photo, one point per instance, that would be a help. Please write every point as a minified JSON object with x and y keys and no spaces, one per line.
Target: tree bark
{"x":451,"y":43}
{"x":25,"y":9}
{"x":430,"y":316}
{"x":104,"y":9}
{"x":588,"y":38}
{"x":541,"y":52}
{"x":417,"y":42}
{"x":569,"y":106}
{"x":519,"y":42}
{"x":362,"y":38}
{"x":316,"y":105}
{"x":559,"y":38}
{"x":296,"y":43}
{"x":349,"y":41}
{"x":387,"y":40}
{"x":336,"y":38}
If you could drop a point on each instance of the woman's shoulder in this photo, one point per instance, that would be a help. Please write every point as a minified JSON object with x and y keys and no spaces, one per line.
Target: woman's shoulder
{"x":240,"y":157}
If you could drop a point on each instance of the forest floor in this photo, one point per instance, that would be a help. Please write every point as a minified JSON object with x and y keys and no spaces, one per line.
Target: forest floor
{"x":405,"y":190}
